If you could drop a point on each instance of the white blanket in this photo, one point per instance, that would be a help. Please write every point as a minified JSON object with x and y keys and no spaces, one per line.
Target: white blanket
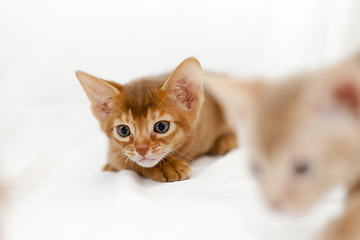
{"x":60,"y":192}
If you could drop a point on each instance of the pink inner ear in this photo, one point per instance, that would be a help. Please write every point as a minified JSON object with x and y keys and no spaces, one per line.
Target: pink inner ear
{"x":347,"y":95}
{"x":100,"y":99}
{"x":104,"y":109}
{"x":186,"y":93}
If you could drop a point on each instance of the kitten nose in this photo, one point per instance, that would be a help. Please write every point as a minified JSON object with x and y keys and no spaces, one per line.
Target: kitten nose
{"x":142,"y":150}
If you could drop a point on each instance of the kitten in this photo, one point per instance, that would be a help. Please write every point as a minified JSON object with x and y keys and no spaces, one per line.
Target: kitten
{"x":304,"y":137}
{"x":155,"y":125}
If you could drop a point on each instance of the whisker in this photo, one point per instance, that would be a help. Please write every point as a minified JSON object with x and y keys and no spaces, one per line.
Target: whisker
{"x":116,"y":156}
{"x":127,"y":160}
{"x":172,"y":151}
{"x":157,"y":99}
{"x":142,"y":169}
{"x":191,"y":135}
{"x":167,"y":157}
{"x":118,"y":107}
{"x":185,"y":148}
{"x":161,"y":102}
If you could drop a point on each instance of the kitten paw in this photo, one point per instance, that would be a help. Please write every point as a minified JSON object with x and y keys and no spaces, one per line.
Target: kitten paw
{"x":224,"y":144}
{"x":171,"y":171}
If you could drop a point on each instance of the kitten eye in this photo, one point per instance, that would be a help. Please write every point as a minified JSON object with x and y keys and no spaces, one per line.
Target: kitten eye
{"x":255,"y":169}
{"x":302,"y":167}
{"x":123,"y":130}
{"x":162,"y":127}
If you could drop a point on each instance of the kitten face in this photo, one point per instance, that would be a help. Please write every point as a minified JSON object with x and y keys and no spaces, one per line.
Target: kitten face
{"x":150,"y":139}
{"x":298,"y":171}
{"x":144,"y":141}
{"x":148,"y":118}
{"x":304,"y":139}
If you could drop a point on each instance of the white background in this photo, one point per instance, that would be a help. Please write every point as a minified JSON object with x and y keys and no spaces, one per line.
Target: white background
{"x":43,"y":42}
{"x":47,"y":133}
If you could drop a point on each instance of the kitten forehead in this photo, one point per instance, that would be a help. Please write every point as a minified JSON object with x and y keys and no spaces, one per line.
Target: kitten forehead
{"x":120,"y":121}
{"x":141,"y":95}
{"x":157,"y":115}
{"x":276,"y":116}
{"x":124,"y":118}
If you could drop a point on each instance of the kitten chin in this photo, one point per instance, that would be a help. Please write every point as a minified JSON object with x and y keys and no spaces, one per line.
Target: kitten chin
{"x":156,"y":124}
{"x":147,"y":162}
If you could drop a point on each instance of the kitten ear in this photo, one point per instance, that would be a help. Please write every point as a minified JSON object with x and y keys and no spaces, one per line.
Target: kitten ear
{"x":186,"y":83}
{"x":347,"y":96}
{"x":99,"y":93}
{"x":237,"y":97}
{"x":339,"y":98}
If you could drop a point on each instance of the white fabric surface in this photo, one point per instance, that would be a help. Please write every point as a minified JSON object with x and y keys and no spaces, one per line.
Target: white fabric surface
{"x":51,"y":148}
{"x":60,"y":192}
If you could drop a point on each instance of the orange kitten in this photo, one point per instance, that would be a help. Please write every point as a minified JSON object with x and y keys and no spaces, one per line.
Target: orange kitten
{"x":304,"y":137}
{"x":155,"y":125}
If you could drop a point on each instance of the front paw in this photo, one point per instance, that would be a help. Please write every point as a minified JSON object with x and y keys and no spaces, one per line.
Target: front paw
{"x":172,"y":170}
{"x":109,"y":167}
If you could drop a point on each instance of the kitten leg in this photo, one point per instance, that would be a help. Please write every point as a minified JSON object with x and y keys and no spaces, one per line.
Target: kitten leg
{"x":116,"y":164}
{"x":116,"y":159}
{"x":108,"y":167}
{"x":224,"y":143}
{"x":171,"y":170}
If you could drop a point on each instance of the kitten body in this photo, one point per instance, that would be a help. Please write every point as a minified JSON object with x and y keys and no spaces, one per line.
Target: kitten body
{"x":155,"y":125}
{"x":304,"y":137}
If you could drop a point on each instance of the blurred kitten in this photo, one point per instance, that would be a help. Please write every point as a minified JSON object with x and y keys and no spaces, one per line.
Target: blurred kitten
{"x":304,"y":137}
{"x":156,"y":124}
